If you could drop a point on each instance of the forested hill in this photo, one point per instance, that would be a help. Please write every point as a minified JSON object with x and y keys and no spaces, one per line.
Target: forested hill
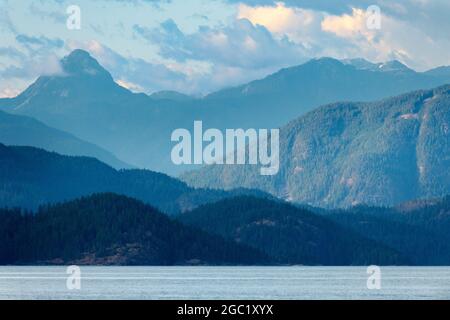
{"x":289,"y":234}
{"x":348,"y":153}
{"x":418,"y":229}
{"x":30,"y":177}
{"x":107,"y":229}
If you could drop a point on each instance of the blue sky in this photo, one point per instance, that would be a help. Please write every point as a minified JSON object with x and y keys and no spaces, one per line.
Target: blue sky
{"x":199,"y":46}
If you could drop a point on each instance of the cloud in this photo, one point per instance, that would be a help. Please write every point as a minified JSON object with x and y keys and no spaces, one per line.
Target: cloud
{"x":130,"y":86}
{"x":189,"y":77}
{"x":278,"y":18}
{"x":155,"y":3}
{"x":301,"y":26}
{"x":229,"y":54}
{"x":413,"y":31}
{"x":247,"y":40}
{"x":56,"y":16}
{"x":348,"y":25}
{"x":396,"y":39}
{"x":9,"y":92}
{"x":30,"y":69}
{"x":29,"y":58}
{"x":6,"y":23}
{"x":330,"y":6}
{"x":39,"y":43}
{"x":12,"y":53}
{"x":240,"y":45}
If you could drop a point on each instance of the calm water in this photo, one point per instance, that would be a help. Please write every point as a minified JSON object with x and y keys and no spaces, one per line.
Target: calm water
{"x":222,"y":283}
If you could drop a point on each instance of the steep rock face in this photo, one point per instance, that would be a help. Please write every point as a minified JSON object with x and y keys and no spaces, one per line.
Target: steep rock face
{"x":343,"y":154}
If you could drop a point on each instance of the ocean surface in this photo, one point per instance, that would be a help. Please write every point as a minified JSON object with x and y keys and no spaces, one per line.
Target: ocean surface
{"x":223,"y":283}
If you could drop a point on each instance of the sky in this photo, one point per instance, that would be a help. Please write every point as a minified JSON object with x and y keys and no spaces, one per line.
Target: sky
{"x":200,"y":46}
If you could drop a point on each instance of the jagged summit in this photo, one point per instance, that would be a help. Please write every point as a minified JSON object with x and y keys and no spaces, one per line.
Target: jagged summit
{"x":82,"y":78}
{"x":393,"y":65}
{"x":80,"y":62}
{"x":388,"y":66}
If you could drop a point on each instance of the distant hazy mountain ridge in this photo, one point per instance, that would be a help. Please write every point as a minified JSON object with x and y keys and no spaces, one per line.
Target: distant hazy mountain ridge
{"x":86,"y":102}
{"x":25,"y":131}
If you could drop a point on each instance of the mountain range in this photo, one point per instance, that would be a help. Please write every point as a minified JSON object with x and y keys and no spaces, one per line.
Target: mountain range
{"x":361,"y":181}
{"x":349,"y":153}
{"x":86,"y":102}
{"x":240,"y":227}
